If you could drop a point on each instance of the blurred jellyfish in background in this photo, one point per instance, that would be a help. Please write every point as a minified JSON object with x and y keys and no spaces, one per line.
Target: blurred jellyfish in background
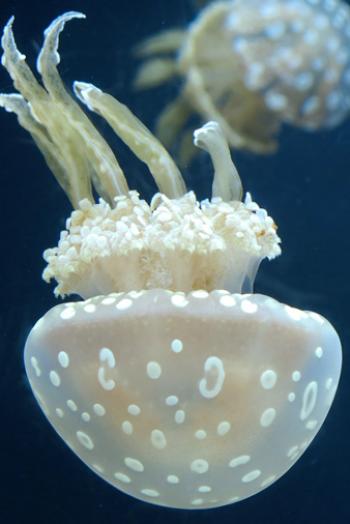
{"x":167,"y":381}
{"x":252,"y":66}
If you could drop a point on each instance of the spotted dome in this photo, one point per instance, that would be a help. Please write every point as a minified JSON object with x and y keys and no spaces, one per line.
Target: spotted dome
{"x":185,"y":400}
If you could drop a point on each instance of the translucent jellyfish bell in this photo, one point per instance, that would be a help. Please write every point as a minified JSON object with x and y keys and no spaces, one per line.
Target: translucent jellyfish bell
{"x":167,"y":381}
{"x":253,"y":65}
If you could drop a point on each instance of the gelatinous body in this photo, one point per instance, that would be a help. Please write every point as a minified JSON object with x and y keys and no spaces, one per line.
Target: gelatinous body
{"x":169,"y":388}
{"x":253,"y":65}
{"x":185,"y":400}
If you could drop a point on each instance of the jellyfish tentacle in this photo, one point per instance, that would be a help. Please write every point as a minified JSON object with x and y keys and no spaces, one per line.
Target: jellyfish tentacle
{"x":155,"y":72}
{"x":172,"y":120}
{"x":15,"y":64}
{"x":49,"y":58}
{"x":72,"y":147}
{"x":16,"y":103}
{"x":227,"y":183}
{"x":106,"y":174}
{"x":47,"y":115}
{"x":206,"y":106}
{"x":162,"y":43}
{"x":136,"y":136}
{"x":186,"y":148}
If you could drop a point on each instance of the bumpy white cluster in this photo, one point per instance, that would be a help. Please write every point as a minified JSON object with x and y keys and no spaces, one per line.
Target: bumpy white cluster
{"x":177,"y":244}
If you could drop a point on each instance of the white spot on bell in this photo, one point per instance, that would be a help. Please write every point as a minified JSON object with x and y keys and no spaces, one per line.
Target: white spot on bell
{"x":296,"y":376}
{"x":124,"y":304}
{"x":122,"y":477}
{"x":134,"y":464}
{"x":238,"y":461}
{"x":90,"y":308}
{"x":72,"y":405}
{"x":173,"y":479}
{"x":267,"y":417}
{"x":227,"y":301}
{"x":199,"y":466}
{"x":319,"y":352}
{"x":176,"y":345}
{"x":127,"y":427}
{"x":85,"y":440}
{"x":158,"y":439}
{"x":179,"y":301}
{"x":204,"y":489}
{"x":171,"y":400}
{"x":63,"y":359}
{"x":200,"y":434}
{"x":154,"y":370}
{"x":223,"y":428}
{"x":268,"y":379}
{"x":180,"y":416}
{"x":150,"y":492}
{"x":252,"y":475}
{"x":99,"y":410}
{"x":55,"y":378}
{"x":134,"y":410}
{"x":67,"y":313}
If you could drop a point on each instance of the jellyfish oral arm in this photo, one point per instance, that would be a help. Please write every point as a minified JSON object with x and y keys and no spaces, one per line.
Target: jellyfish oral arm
{"x":227,"y":183}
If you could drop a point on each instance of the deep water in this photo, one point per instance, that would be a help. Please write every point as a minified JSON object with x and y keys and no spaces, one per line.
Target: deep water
{"x":306,"y":188}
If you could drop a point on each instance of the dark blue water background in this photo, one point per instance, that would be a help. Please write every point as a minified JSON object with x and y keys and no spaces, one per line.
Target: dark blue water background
{"x":305,"y":187}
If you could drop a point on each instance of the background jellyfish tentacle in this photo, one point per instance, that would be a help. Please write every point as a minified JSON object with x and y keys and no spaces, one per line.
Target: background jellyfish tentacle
{"x":138,"y":379}
{"x":253,"y":66}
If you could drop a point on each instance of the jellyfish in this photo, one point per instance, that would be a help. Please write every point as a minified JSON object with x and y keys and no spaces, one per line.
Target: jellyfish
{"x":169,"y":378}
{"x":253,"y":66}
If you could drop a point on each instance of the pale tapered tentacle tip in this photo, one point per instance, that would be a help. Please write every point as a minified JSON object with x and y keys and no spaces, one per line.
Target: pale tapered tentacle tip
{"x":52,"y":33}
{"x":62,"y":19}
{"x":8,"y":42}
{"x":82,"y":91}
{"x":11,"y":102}
{"x":227,"y":183}
{"x":9,"y":24}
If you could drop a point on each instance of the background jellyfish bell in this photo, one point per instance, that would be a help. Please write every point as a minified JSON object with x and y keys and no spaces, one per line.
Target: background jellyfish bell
{"x":253,"y":66}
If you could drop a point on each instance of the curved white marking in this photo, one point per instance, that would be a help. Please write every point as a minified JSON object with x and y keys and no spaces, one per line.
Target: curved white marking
{"x":214,"y":370}
{"x":106,"y":356}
